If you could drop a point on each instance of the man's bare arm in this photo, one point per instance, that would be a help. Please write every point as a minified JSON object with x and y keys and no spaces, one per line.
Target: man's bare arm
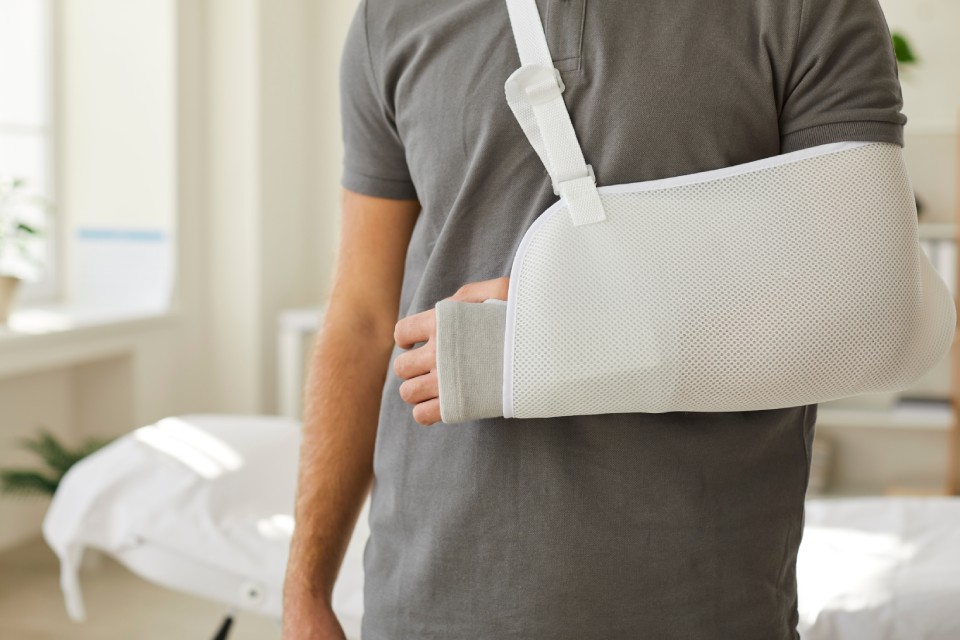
{"x":348,"y":366}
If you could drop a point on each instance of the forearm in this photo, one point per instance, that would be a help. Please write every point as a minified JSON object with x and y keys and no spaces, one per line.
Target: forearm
{"x":341,"y":407}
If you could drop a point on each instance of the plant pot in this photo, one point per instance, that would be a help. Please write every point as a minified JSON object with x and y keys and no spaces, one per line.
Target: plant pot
{"x":8,"y":289}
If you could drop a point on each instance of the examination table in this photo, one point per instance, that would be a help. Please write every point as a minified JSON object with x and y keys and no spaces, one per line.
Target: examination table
{"x":203,"y":504}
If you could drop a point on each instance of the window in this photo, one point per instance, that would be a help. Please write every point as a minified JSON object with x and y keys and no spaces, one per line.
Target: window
{"x":26,"y":114}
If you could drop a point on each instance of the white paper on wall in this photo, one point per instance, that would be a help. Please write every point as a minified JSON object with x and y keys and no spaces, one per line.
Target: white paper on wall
{"x":122,"y":269}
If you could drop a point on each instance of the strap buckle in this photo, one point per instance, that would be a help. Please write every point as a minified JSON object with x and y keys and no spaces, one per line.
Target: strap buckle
{"x":590,"y":174}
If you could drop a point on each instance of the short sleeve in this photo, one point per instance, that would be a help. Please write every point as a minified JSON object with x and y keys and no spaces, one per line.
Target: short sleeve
{"x":843,"y":84}
{"x":374,"y":162}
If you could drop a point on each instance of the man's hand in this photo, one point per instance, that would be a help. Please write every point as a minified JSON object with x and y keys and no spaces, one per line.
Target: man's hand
{"x":418,"y":367}
{"x":308,"y":619}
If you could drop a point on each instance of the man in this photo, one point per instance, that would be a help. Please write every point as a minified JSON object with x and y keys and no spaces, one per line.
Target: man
{"x":674,"y":525}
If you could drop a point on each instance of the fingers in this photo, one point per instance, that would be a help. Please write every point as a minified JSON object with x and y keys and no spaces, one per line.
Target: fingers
{"x":420,"y":389}
{"x":483,"y":290}
{"x":416,"y":362}
{"x":419,"y":327}
{"x":423,"y":393}
{"x":417,"y":366}
{"x":427,"y":413}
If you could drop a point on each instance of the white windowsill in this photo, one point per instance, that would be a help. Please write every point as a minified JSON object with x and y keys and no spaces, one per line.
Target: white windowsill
{"x":50,"y":336}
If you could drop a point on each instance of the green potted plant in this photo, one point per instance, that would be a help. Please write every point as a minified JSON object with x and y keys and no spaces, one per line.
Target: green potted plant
{"x":56,"y":458}
{"x":22,"y":225}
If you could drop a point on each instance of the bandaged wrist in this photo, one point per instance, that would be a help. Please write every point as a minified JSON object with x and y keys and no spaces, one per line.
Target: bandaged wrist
{"x":470,"y":359}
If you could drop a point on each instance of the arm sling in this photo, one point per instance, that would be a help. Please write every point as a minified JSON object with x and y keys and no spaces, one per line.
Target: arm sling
{"x":791,"y":280}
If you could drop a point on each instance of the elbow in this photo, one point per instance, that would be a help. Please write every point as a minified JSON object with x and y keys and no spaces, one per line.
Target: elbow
{"x":360,"y":324}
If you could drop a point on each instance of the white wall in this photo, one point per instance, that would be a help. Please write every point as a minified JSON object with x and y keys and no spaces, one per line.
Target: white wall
{"x":232,"y":209}
{"x":328,"y":23}
{"x":117,"y":111}
{"x":274,"y":166}
{"x":931,"y":99}
{"x":931,"y":88}
{"x":116,"y":144}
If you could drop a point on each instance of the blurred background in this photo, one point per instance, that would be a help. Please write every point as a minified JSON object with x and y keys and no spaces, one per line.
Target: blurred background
{"x":169,"y":176}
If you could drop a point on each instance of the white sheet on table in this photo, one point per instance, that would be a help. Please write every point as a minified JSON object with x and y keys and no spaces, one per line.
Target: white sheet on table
{"x":197,"y":503}
{"x":880,"y":568}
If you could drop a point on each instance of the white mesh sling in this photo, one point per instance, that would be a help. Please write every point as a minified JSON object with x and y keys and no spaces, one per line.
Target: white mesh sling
{"x":787,"y":281}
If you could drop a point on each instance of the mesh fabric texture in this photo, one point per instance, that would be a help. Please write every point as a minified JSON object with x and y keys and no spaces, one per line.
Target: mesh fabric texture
{"x":781,"y":286}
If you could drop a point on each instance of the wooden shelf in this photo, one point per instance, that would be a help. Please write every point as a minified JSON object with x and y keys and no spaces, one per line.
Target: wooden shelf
{"x":936,"y":230}
{"x":934,"y":415}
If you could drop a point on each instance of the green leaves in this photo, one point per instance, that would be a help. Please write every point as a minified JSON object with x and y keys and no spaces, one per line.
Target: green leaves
{"x":903,"y":50}
{"x":57,"y":460}
{"x":25,"y":483}
{"x":23,"y":228}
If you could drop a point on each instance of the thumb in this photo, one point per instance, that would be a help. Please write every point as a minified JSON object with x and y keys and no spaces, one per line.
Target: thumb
{"x":483,"y":290}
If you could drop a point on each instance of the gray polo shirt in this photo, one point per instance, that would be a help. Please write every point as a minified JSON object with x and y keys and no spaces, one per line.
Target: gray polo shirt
{"x":672,"y":525}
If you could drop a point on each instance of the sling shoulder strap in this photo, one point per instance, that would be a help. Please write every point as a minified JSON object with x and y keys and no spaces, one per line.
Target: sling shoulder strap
{"x":534,"y":93}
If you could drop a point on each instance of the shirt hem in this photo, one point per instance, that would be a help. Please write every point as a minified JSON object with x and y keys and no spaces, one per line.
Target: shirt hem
{"x":378,"y":187}
{"x":861,"y":130}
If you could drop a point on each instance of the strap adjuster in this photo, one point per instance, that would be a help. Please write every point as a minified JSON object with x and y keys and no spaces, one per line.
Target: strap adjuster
{"x":543,"y":84}
{"x":590,"y":174}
